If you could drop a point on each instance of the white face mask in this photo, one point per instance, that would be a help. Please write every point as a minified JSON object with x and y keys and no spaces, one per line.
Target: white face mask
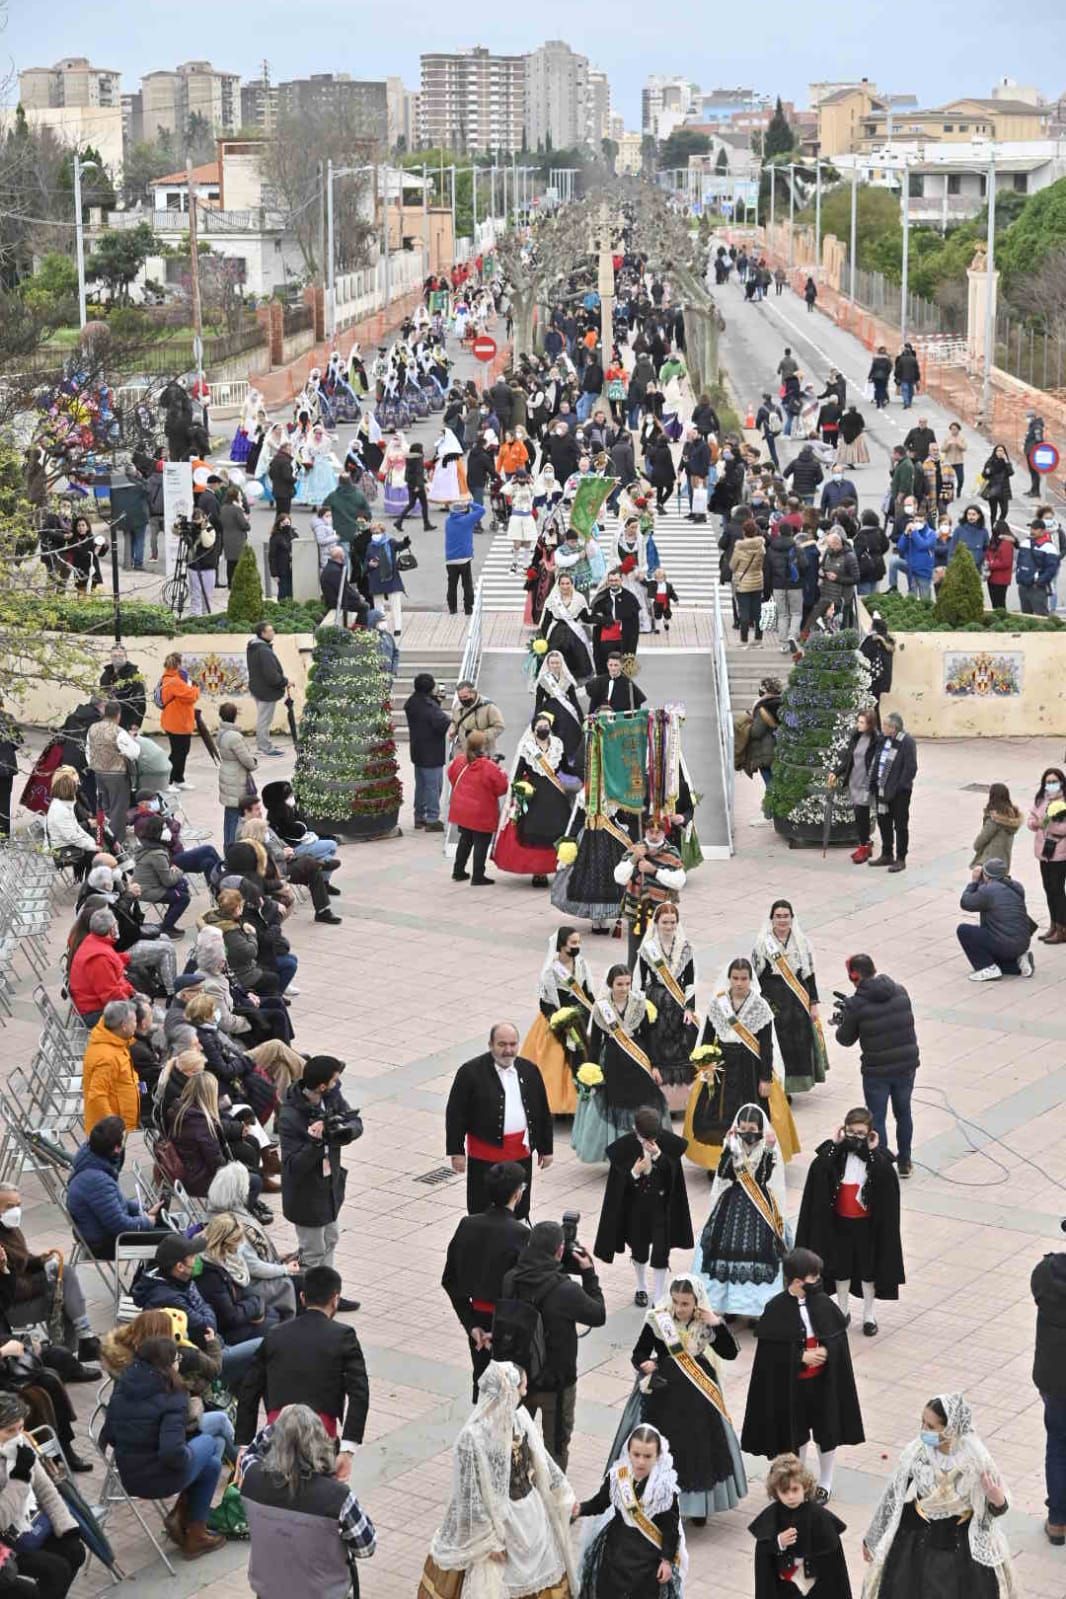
{"x":291,"y":802}
{"x":12,"y":1217}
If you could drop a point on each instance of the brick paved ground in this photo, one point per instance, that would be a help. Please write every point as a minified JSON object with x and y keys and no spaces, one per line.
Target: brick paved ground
{"x":407,"y":988}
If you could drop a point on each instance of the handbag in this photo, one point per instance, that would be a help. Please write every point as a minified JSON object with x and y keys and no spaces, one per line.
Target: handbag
{"x":691,"y":849}
{"x":56,"y":1319}
{"x":169,"y":1166}
{"x":406,"y":561}
{"x":228,"y":1516}
{"x":36,"y":1534}
{"x":868,"y":391}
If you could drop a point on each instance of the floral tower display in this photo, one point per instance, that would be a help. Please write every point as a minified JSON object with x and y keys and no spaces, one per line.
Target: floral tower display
{"x":826,"y":689}
{"x":346,"y":778}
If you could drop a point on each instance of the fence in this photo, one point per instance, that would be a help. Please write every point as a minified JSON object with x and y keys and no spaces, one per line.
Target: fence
{"x":880,"y":295}
{"x":1032,"y":355}
{"x":297,"y":319}
{"x":151,"y":355}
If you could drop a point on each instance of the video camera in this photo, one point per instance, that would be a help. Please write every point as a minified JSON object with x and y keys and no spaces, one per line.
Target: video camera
{"x":342,"y":1126}
{"x":839,"y":1008}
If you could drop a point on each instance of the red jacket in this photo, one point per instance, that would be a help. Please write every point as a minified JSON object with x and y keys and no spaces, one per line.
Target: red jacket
{"x":476,"y":789}
{"x":97,"y":974}
{"x":1000,"y":560}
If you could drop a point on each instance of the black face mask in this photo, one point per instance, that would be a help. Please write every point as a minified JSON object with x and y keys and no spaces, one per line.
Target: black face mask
{"x":750,"y":1138}
{"x":813,"y":1288}
{"x":856,"y":1142}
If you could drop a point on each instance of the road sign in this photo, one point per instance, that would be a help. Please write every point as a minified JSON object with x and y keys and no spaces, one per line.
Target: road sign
{"x":484,"y":348}
{"x":1043,"y":458}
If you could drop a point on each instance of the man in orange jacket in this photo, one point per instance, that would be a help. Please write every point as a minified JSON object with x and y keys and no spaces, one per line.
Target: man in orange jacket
{"x":108,"y":1078}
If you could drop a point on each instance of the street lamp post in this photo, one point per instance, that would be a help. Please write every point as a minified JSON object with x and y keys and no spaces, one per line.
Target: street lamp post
{"x":817,"y":214}
{"x":906,"y":254}
{"x":452,"y":170}
{"x":791,"y":213}
{"x":425,"y":223}
{"x":990,"y":289}
{"x":854,"y":230}
{"x":773,"y":194}
{"x":330,"y":304}
{"x":80,"y":166}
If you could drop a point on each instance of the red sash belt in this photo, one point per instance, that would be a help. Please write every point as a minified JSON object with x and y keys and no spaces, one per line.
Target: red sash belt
{"x":806,"y":1372}
{"x":485,"y":1306}
{"x":514,"y":1147}
{"x":847,"y":1203}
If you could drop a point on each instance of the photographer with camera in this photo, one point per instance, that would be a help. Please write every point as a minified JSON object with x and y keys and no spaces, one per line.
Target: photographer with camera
{"x":314,"y":1123}
{"x":1048,"y":1288}
{"x":542,"y":1279}
{"x":880,"y":1019}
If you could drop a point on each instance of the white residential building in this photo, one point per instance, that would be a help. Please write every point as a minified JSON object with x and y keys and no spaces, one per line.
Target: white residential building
{"x":661,"y":95}
{"x":557,"y":98}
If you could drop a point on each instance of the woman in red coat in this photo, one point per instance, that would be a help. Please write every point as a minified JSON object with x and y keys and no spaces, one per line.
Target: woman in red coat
{"x":1000,"y":567}
{"x":477,"y":784}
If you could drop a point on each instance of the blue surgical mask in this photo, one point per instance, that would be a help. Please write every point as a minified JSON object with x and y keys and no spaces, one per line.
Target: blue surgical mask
{"x":931,"y":1440}
{"x":1052,"y":787}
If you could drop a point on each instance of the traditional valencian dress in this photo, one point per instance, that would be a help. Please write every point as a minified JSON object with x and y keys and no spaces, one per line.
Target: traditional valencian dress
{"x":934,"y":1534}
{"x":739,"y":1252}
{"x":686,"y":1404}
{"x":618,"y":1044}
{"x":557,"y":693}
{"x":668,"y":979}
{"x":558,"y":1053}
{"x":567,"y":629}
{"x":537,"y":816}
{"x":393,"y":475}
{"x":638,"y":1525}
{"x":786,"y":977}
{"x":746,"y":1042}
{"x":508,"y":1497}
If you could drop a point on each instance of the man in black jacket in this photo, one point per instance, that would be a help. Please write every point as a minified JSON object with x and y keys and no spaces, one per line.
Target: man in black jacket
{"x":806,"y":474}
{"x":427,"y":727}
{"x":282,"y":475}
{"x":482,"y":1251}
{"x":122,"y":681}
{"x":314,"y":1123}
{"x":339,"y":593}
{"x":615,"y":621}
{"x":266,"y":684}
{"x":540,"y":1278}
{"x":892,"y":772}
{"x":562,"y":450}
{"x":316,"y":1361}
{"x":879,"y":1017}
{"x":498,"y":1110}
{"x":1048,"y":1287}
{"x":613,"y":691}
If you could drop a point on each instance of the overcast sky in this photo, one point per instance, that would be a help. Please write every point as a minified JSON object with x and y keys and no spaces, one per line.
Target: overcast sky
{"x":935,"y":50}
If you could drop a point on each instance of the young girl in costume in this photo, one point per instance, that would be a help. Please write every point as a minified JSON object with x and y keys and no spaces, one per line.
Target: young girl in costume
{"x":636,"y":1547}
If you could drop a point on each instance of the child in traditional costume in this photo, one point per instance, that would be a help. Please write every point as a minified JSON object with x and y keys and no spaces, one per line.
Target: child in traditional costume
{"x":666,"y":974}
{"x":618,"y":1045}
{"x":802,"y":1384}
{"x":739,"y":1252}
{"x":645,"y":1204}
{"x":738,"y":1069}
{"x":636,"y":1548}
{"x":935,"y":1531}
{"x":557,"y":1043}
{"x":678,"y":1391}
{"x":850,"y":1216}
{"x":797,"y":1541}
{"x":784,"y":965}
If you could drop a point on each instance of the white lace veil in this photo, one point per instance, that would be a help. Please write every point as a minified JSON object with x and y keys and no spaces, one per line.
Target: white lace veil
{"x":659,"y":1493}
{"x":797,"y":951}
{"x":549,"y":977}
{"x":749,"y":1157}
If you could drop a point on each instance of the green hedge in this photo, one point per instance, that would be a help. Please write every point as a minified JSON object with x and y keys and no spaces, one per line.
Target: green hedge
{"x":906,"y":613}
{"x":140,"y":620}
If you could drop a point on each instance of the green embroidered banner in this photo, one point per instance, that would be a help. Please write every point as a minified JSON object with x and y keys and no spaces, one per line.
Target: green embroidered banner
{"x":624,"y":758}
{"x":591,"y":493}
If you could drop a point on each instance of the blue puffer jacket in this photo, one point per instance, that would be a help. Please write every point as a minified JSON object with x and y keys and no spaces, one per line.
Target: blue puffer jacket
{"x":916,"y":551}
{"x":1036,"y":564}
{"x":459,"y":532}
{"x":145,"y":1425}
{"x":153,"y":1290}
{"x":98,"y":1207}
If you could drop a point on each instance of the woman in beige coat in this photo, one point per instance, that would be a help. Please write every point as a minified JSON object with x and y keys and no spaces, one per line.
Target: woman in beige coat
{"x":1000,"y":822}
{"x":746,"y":563}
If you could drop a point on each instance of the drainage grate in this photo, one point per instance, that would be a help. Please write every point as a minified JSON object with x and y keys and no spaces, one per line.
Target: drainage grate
{"x":439,"y":1174}
{"x":975,"y":788}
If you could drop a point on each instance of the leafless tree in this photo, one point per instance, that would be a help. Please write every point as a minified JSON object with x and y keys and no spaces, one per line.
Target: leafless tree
{"x":294,"y":165}
{"x":535,"y":266}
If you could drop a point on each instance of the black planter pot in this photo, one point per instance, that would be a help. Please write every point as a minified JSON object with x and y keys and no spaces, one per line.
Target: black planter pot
{"x":806,"y":835}
{"x":358,"y":829}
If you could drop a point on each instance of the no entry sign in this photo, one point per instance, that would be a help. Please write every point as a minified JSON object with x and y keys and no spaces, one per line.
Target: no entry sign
{"x":1043,"y":458}
{"x":484,"y":349}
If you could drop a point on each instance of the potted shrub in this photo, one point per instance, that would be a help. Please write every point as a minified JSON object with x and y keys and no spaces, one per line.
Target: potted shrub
{"x":346,"y":777}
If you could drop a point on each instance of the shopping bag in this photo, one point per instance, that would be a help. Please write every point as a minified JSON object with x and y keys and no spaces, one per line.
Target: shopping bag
{"x":868,"y":391}
{"x":699,"y":502}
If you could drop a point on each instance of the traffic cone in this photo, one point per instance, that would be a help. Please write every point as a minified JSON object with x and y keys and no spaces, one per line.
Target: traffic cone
{"x":749,"y":420}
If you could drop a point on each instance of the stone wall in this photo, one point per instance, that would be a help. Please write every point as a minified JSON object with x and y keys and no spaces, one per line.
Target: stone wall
{"x":966,"y":685}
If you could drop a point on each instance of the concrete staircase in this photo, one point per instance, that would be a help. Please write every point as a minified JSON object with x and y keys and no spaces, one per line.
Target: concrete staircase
{"x":444,"y":665}
{"x":748,"y":667}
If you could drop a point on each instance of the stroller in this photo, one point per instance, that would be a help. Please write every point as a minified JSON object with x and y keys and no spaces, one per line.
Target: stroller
{"x":418,"y":401}
{"x":431,"y":388}
{"x":499,"y":504}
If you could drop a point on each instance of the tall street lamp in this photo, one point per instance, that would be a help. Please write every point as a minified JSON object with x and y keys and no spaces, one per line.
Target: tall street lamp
{"x":332,"y":173}
{"x":80,"y":166}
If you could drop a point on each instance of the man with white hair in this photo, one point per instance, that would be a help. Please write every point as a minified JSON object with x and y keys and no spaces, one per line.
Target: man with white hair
{"x":150,"y":956}
{"x":892,"y":772}
{"x":339,"y":593}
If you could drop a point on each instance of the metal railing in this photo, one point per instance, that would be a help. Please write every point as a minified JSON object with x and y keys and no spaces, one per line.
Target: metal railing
{"x":1035,"y":355}
{"x":725,"y":716}
{"x":469,"y":671}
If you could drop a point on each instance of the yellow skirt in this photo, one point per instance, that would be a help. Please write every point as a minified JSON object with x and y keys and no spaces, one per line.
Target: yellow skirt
{"x":543,"y":1048}
{"x":781,"y":1120}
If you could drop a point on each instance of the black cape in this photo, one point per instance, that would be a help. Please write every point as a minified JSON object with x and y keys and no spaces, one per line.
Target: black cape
{"x":772,"y":1424}
{"x":623,"y":1154}
{"x":817,"y":1218}
{"x":818,"y":1545}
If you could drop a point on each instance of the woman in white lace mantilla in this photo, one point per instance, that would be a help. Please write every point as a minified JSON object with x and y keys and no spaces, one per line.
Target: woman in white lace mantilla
{"x":935,"y":1532}
{"x":507,"y":1525}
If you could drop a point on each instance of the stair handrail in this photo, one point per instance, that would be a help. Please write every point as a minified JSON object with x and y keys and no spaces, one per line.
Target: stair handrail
{"x":725,"y":714}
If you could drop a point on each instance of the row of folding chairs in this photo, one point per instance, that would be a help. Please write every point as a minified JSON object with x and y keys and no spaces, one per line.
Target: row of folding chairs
{"x":27,"y":884}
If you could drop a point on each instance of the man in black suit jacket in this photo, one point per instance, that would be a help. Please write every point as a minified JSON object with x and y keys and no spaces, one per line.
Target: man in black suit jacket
{"x":482,"y":1251}
{"x":614,"y":691}
{"x":316,"y":1361}
{"x":615,"y":621}
{"x":498,"y":1110}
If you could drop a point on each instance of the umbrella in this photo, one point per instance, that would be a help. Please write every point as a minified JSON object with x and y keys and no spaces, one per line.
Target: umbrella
{"x":205,"y":737}
{"x":290,"y":709}
{"x":827,"y":820}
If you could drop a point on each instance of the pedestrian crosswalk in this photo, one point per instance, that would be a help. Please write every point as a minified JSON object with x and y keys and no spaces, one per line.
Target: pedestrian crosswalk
{"x":688,"y":552}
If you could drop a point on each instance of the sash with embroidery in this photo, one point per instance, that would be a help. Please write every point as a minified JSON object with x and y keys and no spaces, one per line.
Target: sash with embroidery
{"x":633,"y":1511}
{"x":783,"y":969}
{"x":670,"y":983}
{"x":572,"y":986}
{"x":623,"y":1040}
{"x":765,"y":1204}
{"x":619,"y":834}
{"x":747,"y":1037}
{"x":697,"y":1376}
{"x":549,"y":772}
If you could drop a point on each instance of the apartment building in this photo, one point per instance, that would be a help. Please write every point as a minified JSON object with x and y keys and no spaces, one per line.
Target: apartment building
{"x":73,"y":81}
{"x":193,"y":89}
{"x":472,"y":101}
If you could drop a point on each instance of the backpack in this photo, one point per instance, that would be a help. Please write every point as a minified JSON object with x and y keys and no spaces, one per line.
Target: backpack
{"x":742,"y":726}
{"x":157,"y":695}
{"x":792,"y":565}
{"x":774,"y":423}
{"x":522,"y":1335}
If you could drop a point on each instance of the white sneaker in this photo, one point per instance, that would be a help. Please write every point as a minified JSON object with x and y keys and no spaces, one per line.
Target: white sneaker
{"x":292,"y":992}
{"x":987,"y":974}
{"x":1027,"y":964}
{"x":185,"y":787}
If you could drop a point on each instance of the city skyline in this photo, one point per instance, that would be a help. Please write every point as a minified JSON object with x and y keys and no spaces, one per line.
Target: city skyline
{"x":626,"y":41}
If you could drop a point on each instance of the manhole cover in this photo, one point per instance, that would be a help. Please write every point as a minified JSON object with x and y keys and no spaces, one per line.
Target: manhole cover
{"x":439,"y":1174}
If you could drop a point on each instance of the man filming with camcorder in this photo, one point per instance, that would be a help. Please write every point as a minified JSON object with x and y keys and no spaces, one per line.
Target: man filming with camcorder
{"x":536,"y":1324}
{"x":880,"y":1019}
{"x":314,"y":1123}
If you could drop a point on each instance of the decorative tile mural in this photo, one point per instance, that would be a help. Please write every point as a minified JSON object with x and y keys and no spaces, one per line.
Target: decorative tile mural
{"x":216,"y":674}
{"x":984,"y":675}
